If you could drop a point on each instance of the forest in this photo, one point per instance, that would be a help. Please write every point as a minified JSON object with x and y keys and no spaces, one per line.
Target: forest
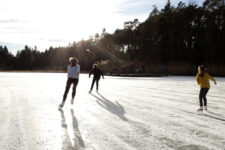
{"x":173,"y":40}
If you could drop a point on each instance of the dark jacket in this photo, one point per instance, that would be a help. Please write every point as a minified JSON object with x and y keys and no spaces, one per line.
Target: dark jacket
{"x":96,"y":72}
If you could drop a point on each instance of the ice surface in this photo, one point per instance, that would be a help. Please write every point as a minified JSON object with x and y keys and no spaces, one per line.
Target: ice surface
{"x":127,"y":113}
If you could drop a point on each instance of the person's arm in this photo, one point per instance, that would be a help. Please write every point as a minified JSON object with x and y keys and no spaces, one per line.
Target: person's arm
{"x":78,"y":70}
{"x":102,"y":74}
{"x":211,"y":78}
{"x":91,"y":73}
{"x":198,"y":79}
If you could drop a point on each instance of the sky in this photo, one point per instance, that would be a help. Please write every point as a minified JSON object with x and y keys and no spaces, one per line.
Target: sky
{"x":45,"y":23}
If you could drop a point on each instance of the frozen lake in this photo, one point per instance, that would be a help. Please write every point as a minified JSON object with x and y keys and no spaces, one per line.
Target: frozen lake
{"x":127,"y":114}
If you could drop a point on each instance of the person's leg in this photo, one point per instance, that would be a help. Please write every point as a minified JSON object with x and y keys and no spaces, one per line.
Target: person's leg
{"x":75,"y":82}
{"x":205,"y":91}
{"x":97,"y":83}
{"x":68,"y":84}
{"x":200,"y":98}
{"x":93,"y":82}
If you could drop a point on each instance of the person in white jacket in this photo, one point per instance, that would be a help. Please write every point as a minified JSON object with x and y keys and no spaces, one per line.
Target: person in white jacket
{"x":73,"y":72}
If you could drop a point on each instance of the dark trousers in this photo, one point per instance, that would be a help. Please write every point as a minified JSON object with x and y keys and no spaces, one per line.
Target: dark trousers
{"x":202,"y":96}
{"x":95,"y":79}
{"x":68,"y":84}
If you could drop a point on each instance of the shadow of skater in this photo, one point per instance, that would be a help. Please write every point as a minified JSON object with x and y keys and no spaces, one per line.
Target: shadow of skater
{"x":77,"y":137}
{"x":114,"y":108}
{"x":66,"y":142}
{"x":214,"y":116}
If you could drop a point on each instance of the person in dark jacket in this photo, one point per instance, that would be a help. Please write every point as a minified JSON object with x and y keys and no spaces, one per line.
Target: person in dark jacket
{"x":97,"y":75}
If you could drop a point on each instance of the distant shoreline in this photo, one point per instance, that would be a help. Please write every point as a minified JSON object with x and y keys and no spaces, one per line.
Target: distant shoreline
{"x":84,"y":72}
{"x":33,"y":71}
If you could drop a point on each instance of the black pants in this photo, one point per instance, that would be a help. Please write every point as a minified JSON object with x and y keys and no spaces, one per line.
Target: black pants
{"x":95,"y":79}
{"x":68,"y":84}
{"x":202,"y":96}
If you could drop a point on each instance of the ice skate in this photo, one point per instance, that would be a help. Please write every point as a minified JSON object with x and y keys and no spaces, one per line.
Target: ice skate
{"x":62,"y":104}
{"x":72,"y":100}
{"x":200,"y":109}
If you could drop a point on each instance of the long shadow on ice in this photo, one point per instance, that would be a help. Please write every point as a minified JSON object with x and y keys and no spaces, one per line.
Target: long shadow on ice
{"x":214,"y":116}
{"x":114,"y":108}
{"x":219,"y":115}
{"x":76,"y":130}
{"x":66,"y":139}
{"x":208,"y":114}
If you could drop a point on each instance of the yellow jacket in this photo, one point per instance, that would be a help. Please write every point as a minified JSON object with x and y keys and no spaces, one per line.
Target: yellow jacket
{"x":204,"y":81}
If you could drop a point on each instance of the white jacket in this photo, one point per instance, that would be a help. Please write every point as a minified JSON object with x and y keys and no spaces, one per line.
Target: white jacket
{"x":73,"y":72}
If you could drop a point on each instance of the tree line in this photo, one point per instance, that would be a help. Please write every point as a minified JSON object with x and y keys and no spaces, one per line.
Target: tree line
{"x":177,"y":39}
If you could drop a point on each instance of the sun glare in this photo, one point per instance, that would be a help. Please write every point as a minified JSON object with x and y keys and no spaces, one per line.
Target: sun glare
{"x":58,"y":22}
{"x":46,"y":23}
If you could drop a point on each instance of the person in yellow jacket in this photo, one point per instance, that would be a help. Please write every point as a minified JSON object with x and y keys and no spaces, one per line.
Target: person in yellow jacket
{"x":202,"y":78}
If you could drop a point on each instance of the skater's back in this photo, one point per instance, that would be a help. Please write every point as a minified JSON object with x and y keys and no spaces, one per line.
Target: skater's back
{"x":96,"y":72}
{"x":203,"y":80}
{"x":97,"y":75}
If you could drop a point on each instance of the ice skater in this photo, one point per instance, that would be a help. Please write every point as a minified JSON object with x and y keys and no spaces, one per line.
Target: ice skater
{"x":97,"y":75}
{"x":202,"y":78}
{"x":73,"y":72}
